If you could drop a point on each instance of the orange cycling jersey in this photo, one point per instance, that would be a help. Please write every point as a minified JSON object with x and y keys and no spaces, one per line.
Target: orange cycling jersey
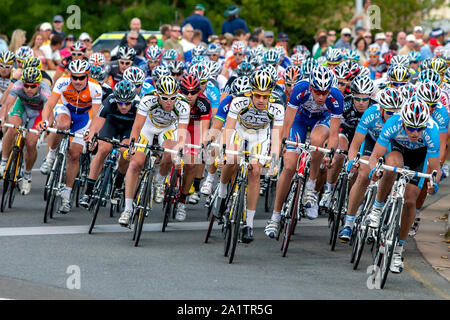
{"x":231,"y":63}
{"x":77,"y":102}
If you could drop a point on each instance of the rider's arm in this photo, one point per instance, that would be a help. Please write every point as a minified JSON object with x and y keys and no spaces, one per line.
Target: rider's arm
{"x":357,"y":141}
{"x":6,"y":93}
{"x":333,"y":139}
{"x":5,"y":107}
{"x":229,"y":129}
{"x":443,"y":147}
{"x":137,"y":126}
{"x":434,"y":164}
{"x":288,"y":121}
{"x":49,"y":106}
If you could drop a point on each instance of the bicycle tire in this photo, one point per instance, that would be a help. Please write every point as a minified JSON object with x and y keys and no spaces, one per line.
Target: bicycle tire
{"x":211,"y":218}
{"x":105,"y":181}
{"x":227,"y":234}
{"x":138,"y":196}
{"x":148,"y":201}
{"x":169,"y":198}
{"x":45,"y":189}
{"x":5,"y":192}
{"x":236,"y":225}
{"x":293,"y":217}
{"x":52,"y":190}
{"x":337,"y":214}
{"x":8,"y":178}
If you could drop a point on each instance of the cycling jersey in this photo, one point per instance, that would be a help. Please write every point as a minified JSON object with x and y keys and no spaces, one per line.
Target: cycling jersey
{"x":147,"y":87}
{"x":440,"y":115}
{"x":224,"y":107}
{"x":114,"y":73}
{"x":4,"y":83}
{"x":106,"y":91}
{"x":350,"y":118}
{"x":279,"y":95}
{"x":158,"y":117}
{"x":35,"y":102}
{"x":371,"y":122}
{"x":212,"y":92}
{"x":227,"y":88}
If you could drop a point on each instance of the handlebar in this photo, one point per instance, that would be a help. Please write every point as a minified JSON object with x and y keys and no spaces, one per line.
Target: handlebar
{"x":21,"y":128}
{"x":65,"y":132}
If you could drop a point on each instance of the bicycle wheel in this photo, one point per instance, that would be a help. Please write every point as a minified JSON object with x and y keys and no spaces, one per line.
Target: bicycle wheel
{"x":6,"y":185}
{"x":147,"y":206}
{"x":211,"y":200}
{"x":292,"y":221}
{"x":169,"y":198}
{"x":342,"y":195}
{"x":270,"y":195}
{"x":236,"y":222}
{"x":101,"y":192}
{"x":227,"y":231}
{"x":45,"y":189}
{"x":52,"y":189}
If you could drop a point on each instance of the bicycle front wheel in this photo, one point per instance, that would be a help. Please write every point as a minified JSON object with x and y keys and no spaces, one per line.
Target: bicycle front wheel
{"x":146,"y":208}
{"x":341,"y":190}
{"x":236,"y":222}
{"x":100,"y":191}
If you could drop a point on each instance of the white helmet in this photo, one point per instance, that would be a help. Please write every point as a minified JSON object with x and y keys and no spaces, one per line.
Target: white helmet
{"x":79,"y":66}
{"x":415,"y":113}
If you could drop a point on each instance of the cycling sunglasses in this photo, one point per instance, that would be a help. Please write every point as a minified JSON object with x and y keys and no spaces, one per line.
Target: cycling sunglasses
{"x":165,"y":98}
{"x":188,"y":92}
{"x":77,"y":54}
{"x":30,"y":85}
{"x":126,"y":63}
{"x":342,"y":83}
{"x":397,"y":84}
{"x":412,"y":129}
{"x":264,"y":96}
{"x":361,"y":99}
{"x":6,"y":66}
{"x":373,"y":56}
{"x":123,"y":104}
{"x":389,"y":112}
{"x":321,"y":93}
{"x":153,"y":61}
{"x":431,"y":104}
{"x":332,"y":63}
{"x":179,"y":74}
{"x":80,"y":78}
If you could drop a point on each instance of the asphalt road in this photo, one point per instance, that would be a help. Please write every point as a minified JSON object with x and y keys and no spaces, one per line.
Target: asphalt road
{"x":59,"y":260}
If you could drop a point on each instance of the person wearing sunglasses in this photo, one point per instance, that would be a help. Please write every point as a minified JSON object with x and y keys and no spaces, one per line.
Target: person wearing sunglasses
{"x":154,"y":55}
{"x":413,"y":138}
{"x":28,"y":97}
{"x":343,"y":76}
{"x":114,"y":120}
{"x":334,"y":58}
{"x":7,"y":59}
{"x":98,"y":73}
{"x":373,"y":62}
{"x":137,"y":77}
{"x":292,"y":76}
{"x":161,"y":115}
{"x":75,"y":100}
{"x":314,"y":106}
{"x":398,"y":75}
{"x":126,"y":56}
{"x":232,"y":62}
{"x":366,"y":134}
{"x":77,"y":51}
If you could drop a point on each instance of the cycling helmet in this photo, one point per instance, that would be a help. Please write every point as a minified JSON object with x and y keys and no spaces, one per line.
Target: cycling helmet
{"x":447,"y":76}
{"x":190,"y":82}
{"x":240,"y":86}
{"x":214,"y":48}
{"x":176,"y":67}
{"x":429,"y":75}
{"x":302,"y":50}
{"x":390,"y":98}
{"x":124,"y":91}
{"x":387,"y":57}
{"x":199,"y":50}
{"x":401,"y":60}
{"x":373,"y":50}
{"x":354,"y":67}
{"x":307,"y":66}
{"x":255,"y":52}
{"x":24,"y":53}
{"x":214,"y":68}
{"x":407,"y":91}
{"x":261,"y":80}
{"x":78,"y":46}
{"x":439,"y":65}
{"x":362,"y":85}
{"x":153,"y":53}
{"x":429,"y":92}
{"x":334,"y":56}
{"x":135,"y":75}
{"x":33,"y":62}
{"x":414,"y":57}
{"x":271,"y":57}
{"x":97,"y":73}
{"x":415,"y":113}
{"x":127,"y":53}
{"x":271,"y":70}
{"x":321,"y":78}
{"x":321,"y":60}
{"x":167,"y":85}
{"x":198,"y":59}
{"x":342,"y":71}
{"x":351,"y":55}
{"x":159,"y":71}
{"x":238,"y":47}
{"x":297,"y":59}
{"x":292,"y":75}
{"x":398,"y":73}
{"x":245,"y":69}
{"x":364,"y":71}
{"x":170,"y":55}
{"x":7,"y":57}
{"x":201,"y":71}
{"x":79,"y":66}
{"x":31,"y":75}
{"x":256,"y":61}
{"x":425,"y":64}
{"x":335,"y":81}
{"x":281,"y":52}
{"x":438,"y":51}
{"x":97,"y":59}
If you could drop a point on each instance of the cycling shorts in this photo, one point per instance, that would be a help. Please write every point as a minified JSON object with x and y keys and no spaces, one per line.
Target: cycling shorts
{"x":30,"y":117}
{"x":367,"y":146}
{"x":149,"y":132}
{"x":80,"y":122}
{"x":347,"y":133}
{"x":302,"y":124}
{"x":113,"y":130}
{"x":415,"y":160}
{"x":258,"y":142}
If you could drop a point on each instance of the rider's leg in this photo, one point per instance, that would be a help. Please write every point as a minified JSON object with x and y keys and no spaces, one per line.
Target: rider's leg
{"x":9,"y":136}
{"x":131,"y":178}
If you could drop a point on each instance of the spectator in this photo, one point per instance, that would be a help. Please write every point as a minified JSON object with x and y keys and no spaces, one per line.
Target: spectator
{"x":438,"y":34}
{"x":316,"y":46}
{"x":87,"y":40}
{"x":259,"y":33}
{"x":107,"y":54}
{"x":283,"y":40}
{"x":253,"y":41}
{"x":225,"y":43}
{"x":344,"y":41}
{"x":35,"y":44}
{"x":331,"y":38}
{"x":3,"y":43}
{"x":323,"y":47}
{"x":151,"y":41}
{"x":165,"y":34}
{"x":172,"y":42}
{"x":425,"y":51}
{"x":51,"y":52}
{"x":18,"y":40}
{"x":69,"y":42}
{"x":200,"y":22}
{"x":418,"y":33}
{"x":233,"y":21}
{"x":410,"y":43}
{"x":241,"y":35}
{"x":58,"y":23}
{"x":389,"y":38}
{"x":46,"y":31}
{"x":361,"y":49}
{"x":187,"y":35}
{"x":268,"y":39}
{"x":401,"y":39}
{"x":368,"y":38}
{"x":197,"y":38}
{"x":139,"y":43}
{"x":359,"y":32}
{"x":363,"y":15}
{"x":380,"y":42}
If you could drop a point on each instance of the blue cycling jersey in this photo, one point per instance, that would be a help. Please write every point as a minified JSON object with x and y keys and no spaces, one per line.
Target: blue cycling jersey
{"x":212,"y":92}
{"x":371,"y":122}
{"x":147,"y":87}
{"x":224,"y":107}
{"x":393,"y":130}
{"x":286,"y":62}
{"x":440,"y":115}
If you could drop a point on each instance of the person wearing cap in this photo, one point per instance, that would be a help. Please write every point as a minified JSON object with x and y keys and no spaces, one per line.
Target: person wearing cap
{"x":200,"y":22}
{"x":344,"y":41}
{"x":87,"y":40}
{"x":58,"y":23}
{"x":46,"y":31}
{"x":409,"y":46}
{"x":233,"y":21}
{"x":137,"y":39}
{"x":65,"y":52}
{"x":268,"y":39}
{"x":380,"y":40}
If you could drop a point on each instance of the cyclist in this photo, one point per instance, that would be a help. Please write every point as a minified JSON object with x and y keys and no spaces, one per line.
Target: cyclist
{"x":115,"y":120}
{"x":115,"y":69}
{"x":75,"y":100}
{"x":29,"y":96}
{"x":249,"y":118}
{"x":99,"y":74}
{"x":77,"y":51}
{"x":343,"y":76}
{"x":163,"y":115}
{"x":136,"y":76}
{"x":200,"y":114}
{"x":292,"y":76}
{"x":154,"y":57}
{"x":232,"y":62}
{"x":34,"y":62}
{"x":317,"y":106}
{"x":243,"y":69}
{"x":334,"y":58}
{"x":355,"y":105}
{"x":367,"y":132}
{"x":7,"y":59}
{"x":176,"y":68}
{"x":414,"y":140}
{"x":374,"y":63}
{"x":97,"y":59}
